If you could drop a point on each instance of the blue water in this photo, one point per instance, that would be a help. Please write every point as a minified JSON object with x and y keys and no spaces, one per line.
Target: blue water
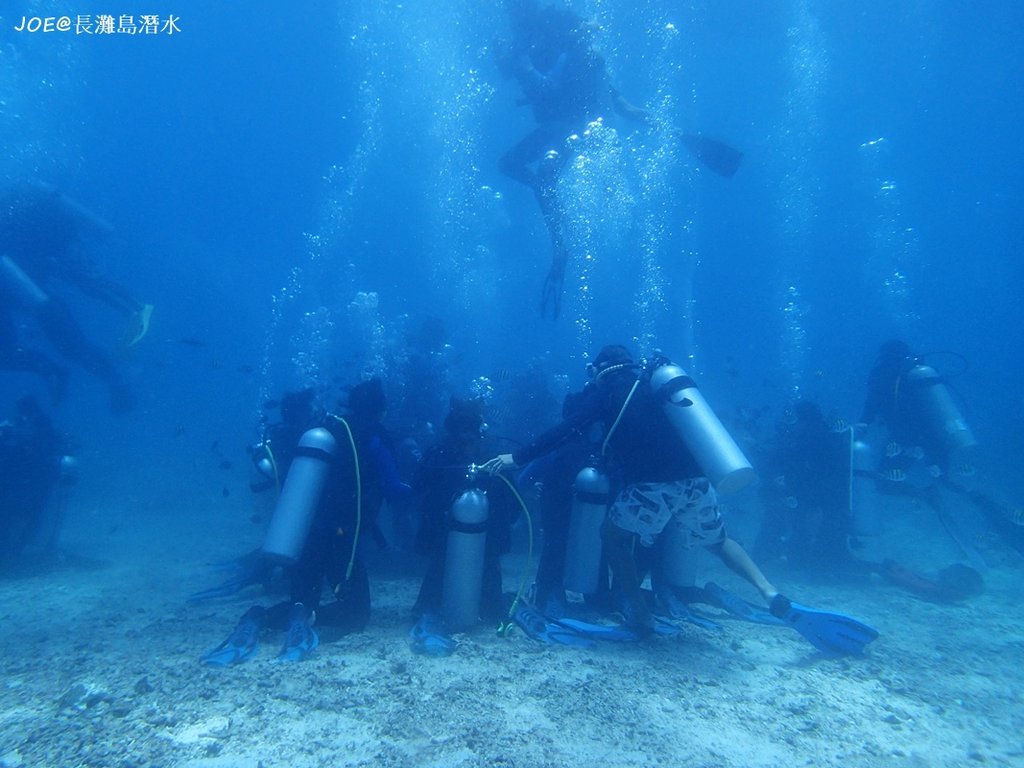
{"x":298,"y":190}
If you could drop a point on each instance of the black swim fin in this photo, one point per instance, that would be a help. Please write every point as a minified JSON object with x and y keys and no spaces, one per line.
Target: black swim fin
{"x":713,"y":154}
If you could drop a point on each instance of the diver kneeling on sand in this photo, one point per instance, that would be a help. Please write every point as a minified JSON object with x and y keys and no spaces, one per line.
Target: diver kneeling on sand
{"x":340,"y":475}
{"x":668,"y":455}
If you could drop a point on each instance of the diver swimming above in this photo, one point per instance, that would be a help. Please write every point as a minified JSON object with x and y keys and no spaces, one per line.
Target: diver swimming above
{"x":565,"y":80}
{"x":42,"y":232}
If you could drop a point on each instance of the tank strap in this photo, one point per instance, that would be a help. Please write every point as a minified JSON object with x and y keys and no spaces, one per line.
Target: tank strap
{"x":455,"y":525}
{"x":589,"y":497}
{"x":678,"y":384}
{"x":314,"y":453}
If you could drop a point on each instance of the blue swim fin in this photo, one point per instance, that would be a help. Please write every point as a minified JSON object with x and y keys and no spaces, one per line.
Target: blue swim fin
{"x":611,"y":633}
{"x":834,"y":634}
{"x":539,"y":627}
{"x":738,"y":607}
{"x":241,"y":644}
{"x":301,"y":639}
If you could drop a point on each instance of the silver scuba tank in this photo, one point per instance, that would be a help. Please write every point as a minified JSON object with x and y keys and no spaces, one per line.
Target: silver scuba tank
{"x":716,"y":452}
{"x":943,"y":416}
{"x":865,"y":514}
{"x":592,"y":495}
{"x":464,"y":560}
{"x":300,"y":496}
{"x":678,"y":559}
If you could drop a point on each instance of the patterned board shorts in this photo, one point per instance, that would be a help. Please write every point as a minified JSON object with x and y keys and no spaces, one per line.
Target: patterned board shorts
{"x":646,"y":508}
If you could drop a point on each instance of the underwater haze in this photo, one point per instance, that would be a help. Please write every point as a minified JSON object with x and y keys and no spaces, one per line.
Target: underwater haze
{"x":309,"y":195}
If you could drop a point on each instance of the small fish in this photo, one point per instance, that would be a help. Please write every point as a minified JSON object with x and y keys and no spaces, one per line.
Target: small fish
{"x":791,"y":502}
{"x":893,"y":449}
{"x":214,"y":446}
{"x":966,"y":470}
{"x":780,"y":481}
{"x":224,"y":465}
{"x":225,"y":492}
{"x":246,"y":369}
{"x":935,"y":471}
{"x":192,"y":341}
{"x":838,"y":426}
{"x":894,"y":475}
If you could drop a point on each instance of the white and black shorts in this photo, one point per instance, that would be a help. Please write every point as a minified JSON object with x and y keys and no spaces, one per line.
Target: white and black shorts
{"x":646,"y":508}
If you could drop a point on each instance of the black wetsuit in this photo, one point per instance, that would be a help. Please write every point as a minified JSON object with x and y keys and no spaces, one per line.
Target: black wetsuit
{"x":30,"y":450}
{"x":441,"y":477}
{"x":328,"y":554}
{"x":807,"y":502}
{"x":644,"y":447}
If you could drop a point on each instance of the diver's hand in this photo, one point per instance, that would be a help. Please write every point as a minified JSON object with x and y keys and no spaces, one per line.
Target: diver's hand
{"x":498,"y":464}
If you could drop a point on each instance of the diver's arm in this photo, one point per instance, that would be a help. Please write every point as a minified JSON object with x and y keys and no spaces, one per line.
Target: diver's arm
{"x":627,"y":109}
{"x":391,"y":482}
{"x":546,"y":443}
{"x":537,"y":84}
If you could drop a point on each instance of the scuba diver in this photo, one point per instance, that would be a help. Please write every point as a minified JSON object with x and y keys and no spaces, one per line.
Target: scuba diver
{"x":929,"y":445}
{"x":922,"y":421}
{"x":341,"y":473}
{"x":665,"y":454}
{"x":273,"y":454}
{"x":807,"y":503}
{"x":564,"y":79}
{"x":465,"y":528}
{"x":41,"y":241}
{"x":32,"y":454}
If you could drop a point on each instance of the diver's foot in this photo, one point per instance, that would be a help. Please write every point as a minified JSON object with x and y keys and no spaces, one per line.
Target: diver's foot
{"x":429,"y":637}
{"x":242,"y":643}
{"x":302,"y":639}
{"x":638,"y":618}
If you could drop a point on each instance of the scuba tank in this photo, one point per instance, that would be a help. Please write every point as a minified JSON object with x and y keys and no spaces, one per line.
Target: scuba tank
{"x":300,"y":496}
{"x":938,"y":409}
{"x":464,"y":560}
{"x":677,"y":560}
{"x":592,"y":495}
{"x":716,"y":452}
{"x":263,"y":460}
{"x":864,"y":502}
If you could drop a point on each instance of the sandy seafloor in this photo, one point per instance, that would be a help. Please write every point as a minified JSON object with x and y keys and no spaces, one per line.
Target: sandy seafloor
{"x":100,"y":668}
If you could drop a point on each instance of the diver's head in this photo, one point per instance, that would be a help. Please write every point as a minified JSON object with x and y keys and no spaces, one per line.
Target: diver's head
{"x":465,"y":419}
{"x":895,"y":350}
{"x":297,"y":407}
{"x":807,"y":412}
{"x":612,"y":359}
{"x":366,"y":400}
